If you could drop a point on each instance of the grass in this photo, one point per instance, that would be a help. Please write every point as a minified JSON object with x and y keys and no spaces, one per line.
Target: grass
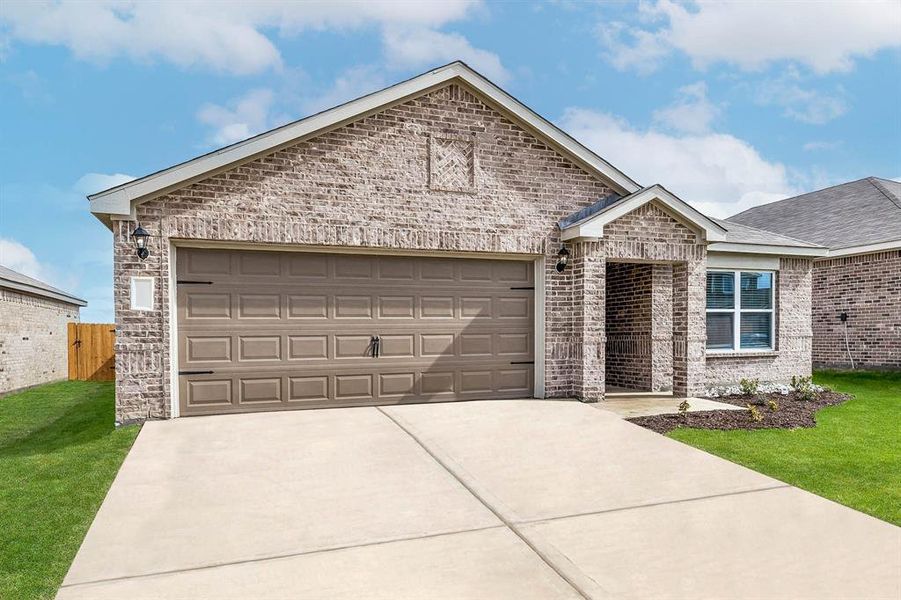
{"x":852,"y":456}
{"x":59,"y":453}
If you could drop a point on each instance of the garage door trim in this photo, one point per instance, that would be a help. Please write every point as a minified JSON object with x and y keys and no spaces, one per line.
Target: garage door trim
{"x":538,"y":262}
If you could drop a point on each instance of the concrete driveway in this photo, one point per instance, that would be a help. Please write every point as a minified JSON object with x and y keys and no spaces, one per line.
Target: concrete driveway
{"x":502,"y":499}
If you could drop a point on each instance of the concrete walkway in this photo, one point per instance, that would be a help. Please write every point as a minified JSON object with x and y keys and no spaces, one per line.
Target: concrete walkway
{"x":503,"y":499}
{"x":644,"y":405}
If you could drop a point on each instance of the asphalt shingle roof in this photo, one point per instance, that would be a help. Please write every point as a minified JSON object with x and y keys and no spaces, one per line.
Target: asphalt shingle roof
{"x":857,"y":213}
{"x":17,"y":281}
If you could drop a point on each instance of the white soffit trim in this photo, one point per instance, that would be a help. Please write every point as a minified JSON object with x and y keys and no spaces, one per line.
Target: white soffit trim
{"x":766,"y":249}
{"x":593,"y":227}
{"x":866,"y":249}
{"x":119,"y":200}
{"x":766,"y":262}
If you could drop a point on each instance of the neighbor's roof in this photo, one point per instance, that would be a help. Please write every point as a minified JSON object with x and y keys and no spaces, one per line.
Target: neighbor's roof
{"x":119,"y":201}
{"x":14,"y":280}
{"x":858,"y":213}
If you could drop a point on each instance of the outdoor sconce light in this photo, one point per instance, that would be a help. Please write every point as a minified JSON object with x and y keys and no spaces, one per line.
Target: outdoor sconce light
{"x":562,"y":259}
{"x":139,"y":237}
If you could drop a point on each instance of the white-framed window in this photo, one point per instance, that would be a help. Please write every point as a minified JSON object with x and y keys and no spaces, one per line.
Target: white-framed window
{"x":740,"y":311}
{"x":142,"y":293}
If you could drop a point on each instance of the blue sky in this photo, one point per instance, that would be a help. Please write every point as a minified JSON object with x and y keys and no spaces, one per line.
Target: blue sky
{"x":728,"y":105}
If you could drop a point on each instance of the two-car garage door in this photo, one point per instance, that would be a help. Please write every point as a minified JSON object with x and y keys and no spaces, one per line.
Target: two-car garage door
{"x":263,"y":330}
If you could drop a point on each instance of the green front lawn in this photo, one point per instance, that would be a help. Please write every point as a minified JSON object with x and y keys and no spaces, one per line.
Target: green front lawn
{"x":59,"y":453}
{"x":852,"y":456}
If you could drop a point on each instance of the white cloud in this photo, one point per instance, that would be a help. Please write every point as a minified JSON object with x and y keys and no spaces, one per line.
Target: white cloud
{"x":349,"y":85}
{"x":19,"y":257}
{"x":825,"y":36}
{"x":91,"y":183}
{"x":716,"y":173}
{"x":230,"y":37}
{"x":242,"y":118}
{"x":413,"y":48}
{"x":811,"y":106}
{"x":692,"y":112}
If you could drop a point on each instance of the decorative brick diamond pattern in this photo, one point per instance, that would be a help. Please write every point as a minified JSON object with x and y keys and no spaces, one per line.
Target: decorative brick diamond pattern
{"x":452,"y":165}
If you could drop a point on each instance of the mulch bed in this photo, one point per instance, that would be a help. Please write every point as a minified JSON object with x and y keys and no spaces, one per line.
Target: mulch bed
{"x":792,"y":413}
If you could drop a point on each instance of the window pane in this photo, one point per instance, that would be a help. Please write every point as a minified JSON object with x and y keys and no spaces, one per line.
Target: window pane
{"x":719,"y":331}
{"x":757,"y":290}
{"x":720,"y":290}
{"x":755,"y":330}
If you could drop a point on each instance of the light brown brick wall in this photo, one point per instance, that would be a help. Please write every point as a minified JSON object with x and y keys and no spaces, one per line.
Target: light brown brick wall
{"x":793,"y":334}
{"x":33,"y":339}
{"x":868,"y":288}
{"x":366,"y":185}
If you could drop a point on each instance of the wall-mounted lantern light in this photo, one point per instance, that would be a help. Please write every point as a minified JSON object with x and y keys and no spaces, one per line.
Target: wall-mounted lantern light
{"x":562,"y":259}
{"x":140,"y":236}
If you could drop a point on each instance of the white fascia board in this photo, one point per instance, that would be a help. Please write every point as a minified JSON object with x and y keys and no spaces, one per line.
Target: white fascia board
{"x":594,"y":226}
{"x":767,"y":249}
{"x":119,"y":200}
{"x":865,"y":249}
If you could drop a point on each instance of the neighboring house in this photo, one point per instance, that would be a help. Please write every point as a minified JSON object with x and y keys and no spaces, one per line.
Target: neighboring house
{"x":33,"y":331}
{"x":857,"y":286}
{"x":403,"y":247}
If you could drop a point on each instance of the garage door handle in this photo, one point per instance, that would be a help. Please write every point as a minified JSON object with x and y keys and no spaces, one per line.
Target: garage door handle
{"x":375,"y":342}
{"x":195,"y":372}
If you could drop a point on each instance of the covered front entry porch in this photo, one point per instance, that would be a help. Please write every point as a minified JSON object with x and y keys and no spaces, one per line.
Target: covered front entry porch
{"x":639,"y":293}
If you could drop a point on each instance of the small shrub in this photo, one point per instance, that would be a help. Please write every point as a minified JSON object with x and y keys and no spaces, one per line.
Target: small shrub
{"x":749,"y":387}
{"x":683,"y":407}
{"x":804,"y":388}
{"x":754,"y":413}
{"x":798,"y":382}
{"x":773,"y":405}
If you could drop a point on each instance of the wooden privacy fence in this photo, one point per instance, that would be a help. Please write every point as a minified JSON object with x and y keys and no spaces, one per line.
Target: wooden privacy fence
{"x":92,"y":354}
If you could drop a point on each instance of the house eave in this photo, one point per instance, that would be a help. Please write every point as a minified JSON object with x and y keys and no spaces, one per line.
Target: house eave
{"x":863,"y":249}
{"x":799,"y":251}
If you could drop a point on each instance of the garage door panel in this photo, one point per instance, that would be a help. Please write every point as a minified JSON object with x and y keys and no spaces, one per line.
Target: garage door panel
{"x":307,"y":307}
{"x":281,"y":330}
{"x":308,"y":347}
{"x":257,"y":390}
{"x":353,"y":387}
{"x":200,"y":305}
{"x":259,"y":306}
{"x":204,"y":393}
{"x":259,"y":348}
{"x":353,"y":307}
{"x":200,"y":349}
{"x":396,"y":307}
{"x":308,"y":389}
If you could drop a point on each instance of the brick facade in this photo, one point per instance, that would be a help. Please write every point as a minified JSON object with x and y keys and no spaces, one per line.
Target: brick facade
{"x":868,"y":288}
{"x":33,"y":339}
{"x":628,"y":325}
{"x":440,"y":172}
{"x":793,"y":334}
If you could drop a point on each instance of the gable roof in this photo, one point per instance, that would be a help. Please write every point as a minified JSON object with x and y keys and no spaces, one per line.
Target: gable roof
{"x":119,"y":201}
{"x":14,"y":280}
{"x":866,"y":212}
{"x":721,"y":236}
{"x":590,"y":221}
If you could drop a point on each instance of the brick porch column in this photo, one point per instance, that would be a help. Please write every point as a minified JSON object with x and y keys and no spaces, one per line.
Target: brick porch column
{"x":589,"y":268}
{"x":689,"y":328}
{"x":661,"y":327}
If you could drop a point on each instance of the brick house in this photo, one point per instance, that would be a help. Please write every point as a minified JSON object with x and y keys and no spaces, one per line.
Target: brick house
{"x":33,"y":331}
{"x":857,"y":287}
{"x":433,"y":241}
